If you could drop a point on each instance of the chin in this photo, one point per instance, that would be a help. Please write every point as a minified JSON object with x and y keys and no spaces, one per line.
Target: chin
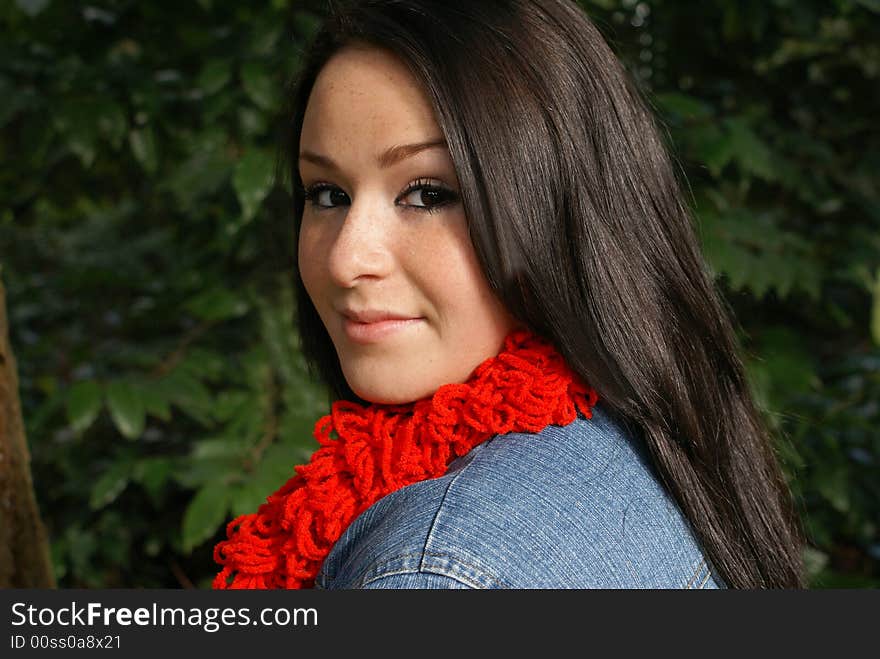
{"x":381,"y":397}
{"x":384,"y":395}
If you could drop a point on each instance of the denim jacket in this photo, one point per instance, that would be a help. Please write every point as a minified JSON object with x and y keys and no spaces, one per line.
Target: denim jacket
{"x":577,"y":506}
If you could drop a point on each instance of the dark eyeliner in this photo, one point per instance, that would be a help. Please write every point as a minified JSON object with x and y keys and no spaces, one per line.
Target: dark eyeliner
{"x":425,"y":184}
{"x":311,"y":193}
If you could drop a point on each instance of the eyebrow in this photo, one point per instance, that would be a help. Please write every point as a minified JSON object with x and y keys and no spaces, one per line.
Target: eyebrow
{"x":390,"y":157}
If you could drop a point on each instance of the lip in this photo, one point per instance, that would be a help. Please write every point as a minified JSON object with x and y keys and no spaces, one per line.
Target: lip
{"x":371,"y":326}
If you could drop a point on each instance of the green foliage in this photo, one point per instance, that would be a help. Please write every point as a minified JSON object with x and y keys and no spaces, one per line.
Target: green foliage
{"x":875,"y":312}
{"x":146,"y":252}
{"x":253,"y":179}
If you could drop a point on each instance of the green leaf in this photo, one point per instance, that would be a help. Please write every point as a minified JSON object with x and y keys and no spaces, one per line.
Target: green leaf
{"x":711,"y":145}
{"x":143,"y":147}
{"x":247,"y":422}
{"x":253,"y":179}
{"x":83,"y":404}
{"x":278,"y":462}
{"x":204,"y":514}
{"x":253,"y":122}
{"x":217,"y":447}
{"x":156,"y":400}
{"x":16,"y":101}
{"x":126,"y":408}
{"x":110,"y":484}
{"x":207,"y":365}
{"x":217,"y":304}
{"x":265,"y":35}
{"x":214,"y":76}
{"x":753,"y":155}
{"x":259,"y":86}
{"x":153,"y":473}
{"x":190,"y":395}
{"x":788,"y":361}
{"x":684,"y":106}
{"x":814,"y":560}
{"x":833,"y":485}
{"x":873,"y":5}
{"x":203,"y":173}
{"x":112,"y":122}
{"x":81,"y":547}
{"x":231,"y":402}
{"x":193,"y":474}
{"x":298,"y":425}
{"x":80,"y":132}
{"x":32,"y":7}
{"x":278,"y":334}
{"x":83,"y":122}
{"x":875,"y":312}
{"x":247,"y":497}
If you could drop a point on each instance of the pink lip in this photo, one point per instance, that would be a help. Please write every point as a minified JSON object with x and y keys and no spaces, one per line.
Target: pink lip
{"x":373,"y":326}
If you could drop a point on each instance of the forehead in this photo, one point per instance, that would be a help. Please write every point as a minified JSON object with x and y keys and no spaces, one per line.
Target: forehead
{"x":365,"y":94}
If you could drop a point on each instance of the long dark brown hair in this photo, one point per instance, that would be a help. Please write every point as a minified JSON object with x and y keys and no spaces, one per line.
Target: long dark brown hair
{"x":577,"y":218}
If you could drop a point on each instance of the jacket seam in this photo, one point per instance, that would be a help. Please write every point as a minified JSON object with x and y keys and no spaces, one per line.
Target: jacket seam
{"x":430,"y":535}
{"x":384,"y":572}
{"x":693,"y":579}
{"x":410,"y":571}
{"x":705,"y":580}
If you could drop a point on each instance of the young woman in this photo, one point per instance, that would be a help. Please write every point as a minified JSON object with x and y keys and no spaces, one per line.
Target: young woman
{"x":538,"y":385}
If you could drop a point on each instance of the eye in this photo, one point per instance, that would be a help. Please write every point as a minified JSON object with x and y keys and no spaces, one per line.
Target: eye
{"x":423,"y":196}
{"x":324,"y":196}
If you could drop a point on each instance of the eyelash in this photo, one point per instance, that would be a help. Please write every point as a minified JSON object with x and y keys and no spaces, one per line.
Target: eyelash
{"x":313,"y":191}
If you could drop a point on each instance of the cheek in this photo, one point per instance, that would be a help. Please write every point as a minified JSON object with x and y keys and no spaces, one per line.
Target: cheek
{"x":470,"y":295}
{"x":452,"y":273}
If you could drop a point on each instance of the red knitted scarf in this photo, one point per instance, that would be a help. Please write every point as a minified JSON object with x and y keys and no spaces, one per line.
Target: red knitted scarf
{"x":381,"y":448}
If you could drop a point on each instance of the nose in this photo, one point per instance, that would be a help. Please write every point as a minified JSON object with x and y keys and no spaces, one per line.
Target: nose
{"x":362,"y":246}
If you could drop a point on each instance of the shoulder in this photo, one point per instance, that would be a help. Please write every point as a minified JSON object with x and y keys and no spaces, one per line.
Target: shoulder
{"x":570,"y":507}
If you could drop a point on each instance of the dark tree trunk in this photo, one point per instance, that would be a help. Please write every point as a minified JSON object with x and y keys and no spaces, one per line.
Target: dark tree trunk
{"x":24,"y":547}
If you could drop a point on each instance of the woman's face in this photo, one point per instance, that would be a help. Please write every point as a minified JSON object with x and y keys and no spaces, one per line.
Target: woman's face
{"x":384,"y":250}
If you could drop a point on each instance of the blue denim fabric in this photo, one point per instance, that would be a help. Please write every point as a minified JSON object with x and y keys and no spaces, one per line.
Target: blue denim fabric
{"x":571,"y":507}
